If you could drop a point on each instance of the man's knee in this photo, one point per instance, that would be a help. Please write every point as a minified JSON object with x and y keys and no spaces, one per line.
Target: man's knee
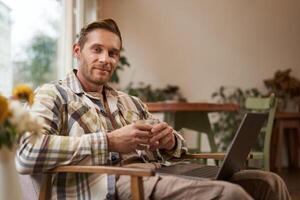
{"x":262,"y":184}
{"x":233,"y":191}
{"x":271,"y":179}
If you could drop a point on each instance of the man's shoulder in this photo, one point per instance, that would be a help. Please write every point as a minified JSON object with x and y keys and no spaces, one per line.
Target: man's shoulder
{"x":51,"y":88}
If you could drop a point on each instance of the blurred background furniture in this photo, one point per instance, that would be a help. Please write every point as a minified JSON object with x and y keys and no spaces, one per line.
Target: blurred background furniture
{"x":287,"y":127}
{"x":268,"y":105}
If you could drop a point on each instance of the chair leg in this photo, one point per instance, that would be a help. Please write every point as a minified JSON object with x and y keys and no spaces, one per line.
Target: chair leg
{"x":295,"y":149}
{"x":290,"y":146}
{"x":279,"y":146}
{"x":297,"y":146}
{"x":273,"y":152}
{"x":45,"y":191}
{"x":137,"y":188}
{"x":212,"y":144}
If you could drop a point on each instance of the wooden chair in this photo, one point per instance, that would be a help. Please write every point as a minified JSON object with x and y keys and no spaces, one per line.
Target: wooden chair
{"x":136,"y":174}
{"x":267,"y":104}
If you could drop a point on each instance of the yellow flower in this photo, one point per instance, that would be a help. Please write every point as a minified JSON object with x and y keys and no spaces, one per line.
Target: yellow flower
{"x":3,"y":109}
{"x":23,"y":92}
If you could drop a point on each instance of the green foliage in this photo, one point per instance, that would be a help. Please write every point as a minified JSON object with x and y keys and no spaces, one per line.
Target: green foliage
{"x":147,"y":94}
{"x":228,"y":122}
{"x":283,"y":84}
{"x":38,"y":67}
{"x":8,"y":135}
{"x":286,"y":89}
{"x":120,"y":67}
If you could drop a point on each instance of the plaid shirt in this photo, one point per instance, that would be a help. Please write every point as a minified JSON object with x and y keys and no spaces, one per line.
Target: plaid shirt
{"x":75,"y":134}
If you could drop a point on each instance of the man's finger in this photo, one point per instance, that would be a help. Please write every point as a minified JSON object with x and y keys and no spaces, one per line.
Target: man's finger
{"x":165,"y":140}
{"x":154,"y":146}
{"x":142,"y":134}
{"x":168,"y":145}
{"x":143,"y":127}
{"x":159,"y":127}
{"x":160,"y":135}
{"x":142,"y":141}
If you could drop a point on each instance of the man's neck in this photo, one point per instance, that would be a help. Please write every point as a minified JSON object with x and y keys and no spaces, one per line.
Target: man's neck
{"x":87,"y":86}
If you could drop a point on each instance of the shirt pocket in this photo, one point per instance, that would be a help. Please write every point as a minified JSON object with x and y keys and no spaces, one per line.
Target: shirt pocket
{"x":131,"y":116}
{"x":82,"y":116}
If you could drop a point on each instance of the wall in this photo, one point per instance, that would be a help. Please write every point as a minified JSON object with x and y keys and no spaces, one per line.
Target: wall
{"x":202,"y":44}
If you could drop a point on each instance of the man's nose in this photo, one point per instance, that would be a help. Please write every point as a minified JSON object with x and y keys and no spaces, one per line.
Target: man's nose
{"x":103,"y":57}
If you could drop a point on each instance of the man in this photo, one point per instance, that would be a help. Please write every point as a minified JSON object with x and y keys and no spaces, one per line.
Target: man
{"x":89,"y":123}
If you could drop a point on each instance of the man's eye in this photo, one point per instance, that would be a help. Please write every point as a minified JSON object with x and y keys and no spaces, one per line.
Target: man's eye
{"x":113,"y":54}
{"x":97,"y":50}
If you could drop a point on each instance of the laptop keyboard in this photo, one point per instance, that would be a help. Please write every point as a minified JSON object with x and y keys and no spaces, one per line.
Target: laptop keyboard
{"x":203,"y":172}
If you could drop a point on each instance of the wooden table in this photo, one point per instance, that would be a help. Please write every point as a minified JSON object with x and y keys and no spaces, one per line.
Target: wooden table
{"x":193,"y":116}
{"x":286,"y":123}
{"x":192,"y":107}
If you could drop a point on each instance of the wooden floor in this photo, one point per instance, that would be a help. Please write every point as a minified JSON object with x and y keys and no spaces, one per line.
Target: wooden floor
{"x":292,"y":180}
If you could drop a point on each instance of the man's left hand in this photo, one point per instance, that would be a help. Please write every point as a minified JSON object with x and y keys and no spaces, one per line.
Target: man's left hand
{"x":163,"y":136}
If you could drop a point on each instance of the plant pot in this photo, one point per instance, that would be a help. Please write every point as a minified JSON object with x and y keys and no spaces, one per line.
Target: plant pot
{"x":289,"y":105}
{"x":9,"y":182}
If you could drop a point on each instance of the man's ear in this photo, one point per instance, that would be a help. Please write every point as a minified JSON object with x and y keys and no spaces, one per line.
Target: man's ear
{"x":76,"y":50}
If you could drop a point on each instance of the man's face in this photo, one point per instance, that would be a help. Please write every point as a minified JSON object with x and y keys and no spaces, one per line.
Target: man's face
{"x":98,"y":58}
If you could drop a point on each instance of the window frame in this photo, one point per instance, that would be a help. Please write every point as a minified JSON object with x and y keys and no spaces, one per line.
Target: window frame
{"x":76,"y":13}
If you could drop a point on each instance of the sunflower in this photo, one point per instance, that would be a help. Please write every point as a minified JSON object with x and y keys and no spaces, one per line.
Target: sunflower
{"x":3,"y":109}
{"x":23,"y":92}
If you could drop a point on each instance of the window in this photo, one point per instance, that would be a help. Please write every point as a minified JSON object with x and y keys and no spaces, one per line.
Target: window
{"x":36,"y":39}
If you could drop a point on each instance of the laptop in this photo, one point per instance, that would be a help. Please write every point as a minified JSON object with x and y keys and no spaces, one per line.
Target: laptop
{"x":235,"y":157}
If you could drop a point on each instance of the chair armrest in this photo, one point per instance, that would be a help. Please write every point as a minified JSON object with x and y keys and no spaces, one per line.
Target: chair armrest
{"x":136,"y":174}
{"x":104,"y":170}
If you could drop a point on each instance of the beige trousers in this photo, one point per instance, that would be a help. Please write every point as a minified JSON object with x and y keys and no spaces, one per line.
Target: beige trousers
{"x":247,"y":184}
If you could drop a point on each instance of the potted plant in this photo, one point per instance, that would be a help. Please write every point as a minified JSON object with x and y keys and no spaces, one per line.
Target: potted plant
{"x":14,"y":121}
{"x":123,"y":62}
{"x":286,"y":89}
{"x":148,"y":94}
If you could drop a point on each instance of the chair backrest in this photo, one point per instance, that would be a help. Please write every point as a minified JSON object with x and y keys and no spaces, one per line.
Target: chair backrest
{"x":264,"y":104}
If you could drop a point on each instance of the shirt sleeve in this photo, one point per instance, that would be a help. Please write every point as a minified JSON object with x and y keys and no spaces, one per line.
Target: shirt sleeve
{"x":53,"y":147}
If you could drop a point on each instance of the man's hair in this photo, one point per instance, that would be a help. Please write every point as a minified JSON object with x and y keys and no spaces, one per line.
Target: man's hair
{"x":106,"y":24}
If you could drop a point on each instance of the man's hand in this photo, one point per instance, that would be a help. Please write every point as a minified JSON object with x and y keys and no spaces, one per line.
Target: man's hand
{"x":127,"y":138}
{"x":162,"y":136}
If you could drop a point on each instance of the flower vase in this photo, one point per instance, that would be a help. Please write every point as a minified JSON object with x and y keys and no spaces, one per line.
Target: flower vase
{"x":9,"y":182}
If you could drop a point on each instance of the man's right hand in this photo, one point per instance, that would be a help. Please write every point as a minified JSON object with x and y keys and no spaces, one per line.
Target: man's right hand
{"x":127,"y":138}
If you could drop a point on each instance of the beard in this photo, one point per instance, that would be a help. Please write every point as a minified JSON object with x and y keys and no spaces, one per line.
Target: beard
{"x":93,"y":77}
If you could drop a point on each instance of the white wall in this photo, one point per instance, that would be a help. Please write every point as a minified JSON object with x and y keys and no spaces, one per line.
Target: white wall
{"x":202,"y":44}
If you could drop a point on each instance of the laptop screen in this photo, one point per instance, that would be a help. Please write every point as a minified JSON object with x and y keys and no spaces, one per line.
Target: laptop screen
{"x":241,"y":144}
